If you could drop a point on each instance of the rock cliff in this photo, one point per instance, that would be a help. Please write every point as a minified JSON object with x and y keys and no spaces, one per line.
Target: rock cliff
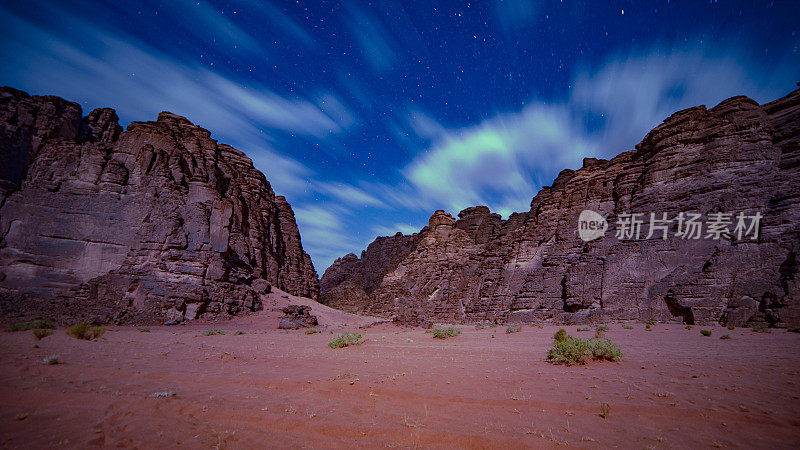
{"x":736,"y":158}
{"x":158,"y":222}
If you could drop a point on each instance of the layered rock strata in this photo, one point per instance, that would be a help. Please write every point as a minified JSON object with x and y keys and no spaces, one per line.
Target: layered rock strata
{"x":736,"y":158}
{"x":158,"y":222}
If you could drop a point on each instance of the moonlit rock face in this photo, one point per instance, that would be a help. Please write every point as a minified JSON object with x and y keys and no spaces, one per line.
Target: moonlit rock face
{"x":156,"y":223}
{"x":591,"y":225}
{"x":738,"y":156}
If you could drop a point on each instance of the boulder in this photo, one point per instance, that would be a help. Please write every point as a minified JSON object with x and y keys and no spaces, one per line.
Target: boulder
{"x":297,"y":316}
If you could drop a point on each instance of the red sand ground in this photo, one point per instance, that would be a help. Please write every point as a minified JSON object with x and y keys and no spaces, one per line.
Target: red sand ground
{"x":482,"y":389}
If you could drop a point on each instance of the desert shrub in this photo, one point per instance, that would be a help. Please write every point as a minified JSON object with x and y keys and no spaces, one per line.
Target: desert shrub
{"x":51,"y":360}
{"x":444,"y":333}
{"x":647,"y":327}
{"x":602,"y":328}
{"x":605,"y":408}
{"x":705,"y":333}
{"x":560,"y":335}
{"x":494,"y":325}
{"x":688,"y":327}
{"x":793,"y":330}
{"x":213,"y":331}
{"x":345,"y":340}
{"x":85,"y":331}
{"x":651,"y":322}
{"x":605,"y":349}
{"x":238,"y":333}
{"x":725,"y":336}
{"x":599,"y":334}
{"x":41,"y":333}
{"x":32,"y":325}
{"x":510,"y":330}
{"x":583,"y":329}
{"x":312,"y":330}
{"x":731,"y":327}
{"x":571,"y":350}
{"x":144,"y":330}
{"x":479,"y":326}
{"x":760,"y":328}
{"x":79,"y":330}
{"x":628,"y":327}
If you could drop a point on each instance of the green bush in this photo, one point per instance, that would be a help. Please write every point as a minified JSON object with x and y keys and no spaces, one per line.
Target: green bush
{"x":144,"y":330}
{"x":793,"y":330}
{"x":479,"y":327}
{"x":32,"y":325}
{"x":571,"y":350}
{"x":602,"y":328}
{"x":599,"y":334}
{"x":628,"y":327}
{"x":647,"y":327}
{"x":213,"y":331}
{"x":605,"y":349}
{"x":705,"y":333}
{"x":444,"y":333}
{"x":312,"y":331}
{"x":583,"y":329}
{"x":651,"y":322}
{"x":345,"y":340}
{"x":688,"y":327}
{"x":510,"y":330}
{"x":494,"y":325}
{"x":731,"y":327}
{"x":560,"y":335}
{"x":85,"y":331}
{"x":725,"y":336}
{"x":760,"y":328}
{"x":41,"y":333}
{"x":238,"y":332}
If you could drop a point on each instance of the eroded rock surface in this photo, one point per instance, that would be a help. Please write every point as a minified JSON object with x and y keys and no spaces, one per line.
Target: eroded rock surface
{"x":736,"y":157}
{"x":297,"y":316}
{"x":159,"y":222}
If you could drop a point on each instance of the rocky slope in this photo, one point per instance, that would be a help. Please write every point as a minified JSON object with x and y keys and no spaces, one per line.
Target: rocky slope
{"x":158,"y":222}
{"x":738,"y":157}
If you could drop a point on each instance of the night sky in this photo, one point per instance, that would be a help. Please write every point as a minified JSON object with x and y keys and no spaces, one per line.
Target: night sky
{"x":369,"y":116}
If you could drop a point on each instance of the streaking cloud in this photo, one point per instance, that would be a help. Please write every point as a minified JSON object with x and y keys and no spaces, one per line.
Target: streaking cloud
{"x":368,"y":116}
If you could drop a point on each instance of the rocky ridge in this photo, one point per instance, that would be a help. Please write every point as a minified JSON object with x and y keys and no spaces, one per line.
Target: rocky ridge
{"x":738,"y":157}
{"x":158,"y":222}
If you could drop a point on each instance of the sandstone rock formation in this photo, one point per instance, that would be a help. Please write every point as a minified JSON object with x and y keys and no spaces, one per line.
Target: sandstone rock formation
{"x":738,"y":157}
{"x":297,"y":316}
{"x":159,"y":222}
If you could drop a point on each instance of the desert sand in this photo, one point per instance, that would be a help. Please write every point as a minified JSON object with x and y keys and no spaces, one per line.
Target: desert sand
{"x":400,"y":388}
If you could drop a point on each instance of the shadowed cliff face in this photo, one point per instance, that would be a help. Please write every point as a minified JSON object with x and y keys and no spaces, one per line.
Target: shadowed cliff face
{"x":159,"y":222}
{"x":736,"y":157}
